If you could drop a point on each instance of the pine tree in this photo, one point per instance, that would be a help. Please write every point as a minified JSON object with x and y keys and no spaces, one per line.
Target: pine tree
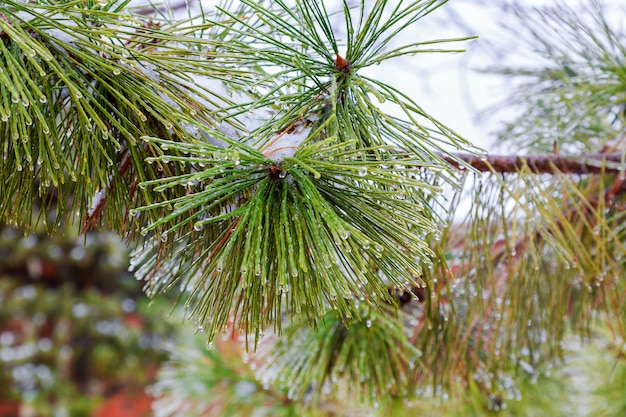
{"x":313,"y":236}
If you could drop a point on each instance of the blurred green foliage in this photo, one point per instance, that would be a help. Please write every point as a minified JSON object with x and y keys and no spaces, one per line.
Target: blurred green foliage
{"x":224,"y":380}
{"x":75,"y":327}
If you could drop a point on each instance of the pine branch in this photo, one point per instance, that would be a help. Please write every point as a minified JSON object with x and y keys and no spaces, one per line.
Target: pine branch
{"x":291,"y":195}
{"x":317,"y":206}
{"x":80,"y":82}
{"x":541,"y":164}
{"x":502,"y":164}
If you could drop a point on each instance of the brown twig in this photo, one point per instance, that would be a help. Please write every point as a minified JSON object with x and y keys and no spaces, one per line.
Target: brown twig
{"x":617,"y":187}
{"x":539,"y":164}
{"x":93,"y":217}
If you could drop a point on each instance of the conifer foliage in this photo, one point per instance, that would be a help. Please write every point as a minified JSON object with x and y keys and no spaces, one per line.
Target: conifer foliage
{"x":253,"y":166}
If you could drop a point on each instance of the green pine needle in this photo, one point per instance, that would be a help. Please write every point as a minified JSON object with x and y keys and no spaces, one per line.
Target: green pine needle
{"x":311,"y":233}
{"x":371,"y":360}
{"x":325,"y":202}
{"x":79,"y":83}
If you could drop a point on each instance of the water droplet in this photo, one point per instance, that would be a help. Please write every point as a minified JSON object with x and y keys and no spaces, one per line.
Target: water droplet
{"x":345,"y":234}
{"x":116,"y":71}
{"x":198,"y":226}
{"x":362,"y":171}
{"x":164,"y":237}
{"x":368,"y":324}
{"x":15,"y":99}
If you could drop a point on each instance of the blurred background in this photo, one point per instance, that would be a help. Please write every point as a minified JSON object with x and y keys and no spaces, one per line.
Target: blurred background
{"x":77,"y":335}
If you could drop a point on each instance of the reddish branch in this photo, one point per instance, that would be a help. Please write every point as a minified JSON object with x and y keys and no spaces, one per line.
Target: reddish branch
{"x":503,"y":164}
{"x":540,"y":164}
{"x":95,"y":213}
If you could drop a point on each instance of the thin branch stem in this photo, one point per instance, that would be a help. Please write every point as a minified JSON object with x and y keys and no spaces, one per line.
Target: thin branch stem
{"x":540,"y":164}
{"x":503,"y":164}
